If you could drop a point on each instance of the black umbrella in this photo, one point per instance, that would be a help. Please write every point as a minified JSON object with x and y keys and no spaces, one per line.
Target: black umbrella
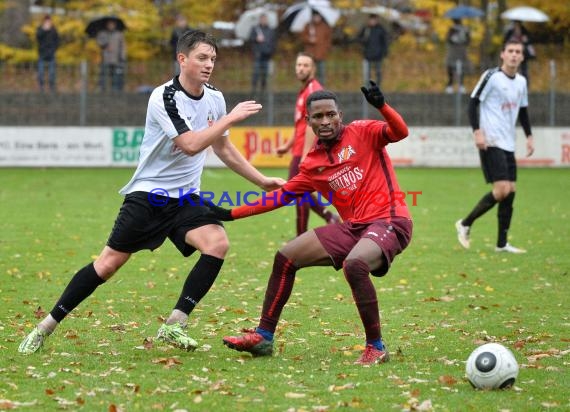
{"x":95,"y":26}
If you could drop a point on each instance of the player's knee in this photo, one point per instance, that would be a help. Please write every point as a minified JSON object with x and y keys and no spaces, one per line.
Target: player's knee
{"x":219,"y":248}
{"x":355,"y":268}
{"x":500,"y":192}
{"x":107,"y":267}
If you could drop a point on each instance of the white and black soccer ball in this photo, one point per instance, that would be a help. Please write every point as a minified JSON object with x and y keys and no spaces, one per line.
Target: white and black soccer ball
{"x":492,"y":366}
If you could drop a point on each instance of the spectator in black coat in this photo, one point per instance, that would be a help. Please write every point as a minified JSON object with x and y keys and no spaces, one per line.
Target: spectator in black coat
{"x":48,"y":42}
{"x":180,"y":27}
{"x":374,"y":40}
{"x":263,"y":41}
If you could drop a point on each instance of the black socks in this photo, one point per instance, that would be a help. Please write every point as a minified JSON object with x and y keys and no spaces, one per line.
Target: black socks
{"x":199,"y":282}
{"x":78,"y":289}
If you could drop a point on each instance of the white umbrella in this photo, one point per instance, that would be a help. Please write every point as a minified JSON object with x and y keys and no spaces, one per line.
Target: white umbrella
{"x":388,"y":13}
{"x":298,"y":15}
{"x":525,"y":14}
{"x":250,"y":18}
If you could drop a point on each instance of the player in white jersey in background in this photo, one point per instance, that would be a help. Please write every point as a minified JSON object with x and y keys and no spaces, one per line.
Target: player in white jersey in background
{"x":185,"y":116}
{"x":502,"y":97}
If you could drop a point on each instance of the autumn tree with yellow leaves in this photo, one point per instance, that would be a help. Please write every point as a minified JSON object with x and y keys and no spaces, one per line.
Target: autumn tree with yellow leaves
{"x":150,"y":22}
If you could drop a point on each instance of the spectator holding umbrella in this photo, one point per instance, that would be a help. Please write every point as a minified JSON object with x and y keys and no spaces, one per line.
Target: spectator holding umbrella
{"x":457,"y":40}
{"x":518,"y":32}
{"x":113,"y":56}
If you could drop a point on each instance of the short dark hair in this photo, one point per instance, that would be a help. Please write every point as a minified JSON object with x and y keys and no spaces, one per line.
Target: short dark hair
{"x":191,"y":38}
{"x":512,"y":41}
{"x":321,"y":95}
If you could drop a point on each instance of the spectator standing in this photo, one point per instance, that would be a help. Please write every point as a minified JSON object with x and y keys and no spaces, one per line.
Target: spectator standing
{"x":180,"y":27}
{"x":519,"y":33}
{"x":263,"y":41}
{"x":48,"y":42}
{"x":374,"y":40}
{"x":317,"y":41}
{"x":457,"y":40}
{"x":113,"y":56}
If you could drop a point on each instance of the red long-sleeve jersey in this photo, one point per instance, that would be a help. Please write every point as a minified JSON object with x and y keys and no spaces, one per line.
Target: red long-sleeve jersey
{"x":354,"y":173}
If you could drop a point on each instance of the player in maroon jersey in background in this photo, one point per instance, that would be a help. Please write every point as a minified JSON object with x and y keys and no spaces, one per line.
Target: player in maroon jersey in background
{"x":349,"y":165}
{"x":303,"y":140}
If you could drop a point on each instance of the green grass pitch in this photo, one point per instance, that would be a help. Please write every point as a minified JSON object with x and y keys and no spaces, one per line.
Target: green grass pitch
{"x":437,"y":304}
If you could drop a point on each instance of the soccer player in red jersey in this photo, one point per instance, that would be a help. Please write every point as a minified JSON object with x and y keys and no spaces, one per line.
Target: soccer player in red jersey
{"x":304,"y":139}
{"x":349,"y":165}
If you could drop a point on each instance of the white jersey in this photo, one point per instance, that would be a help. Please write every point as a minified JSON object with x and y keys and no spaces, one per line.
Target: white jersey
{"x":171,"y":112}
{"x":501,"y":98}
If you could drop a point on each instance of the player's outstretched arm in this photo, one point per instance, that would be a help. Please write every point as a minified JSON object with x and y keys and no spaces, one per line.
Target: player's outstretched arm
{"x":397,"y":128}
{"x":266,"y":203}
{"x":193,"y":142}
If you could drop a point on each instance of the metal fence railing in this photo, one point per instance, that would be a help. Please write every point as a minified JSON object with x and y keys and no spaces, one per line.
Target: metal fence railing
{"x":79,"y":101}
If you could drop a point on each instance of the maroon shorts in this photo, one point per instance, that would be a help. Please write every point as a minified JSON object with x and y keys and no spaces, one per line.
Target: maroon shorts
{"x":392,"y":237}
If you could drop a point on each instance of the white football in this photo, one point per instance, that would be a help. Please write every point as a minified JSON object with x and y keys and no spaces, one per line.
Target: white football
{"x":491,"y":366}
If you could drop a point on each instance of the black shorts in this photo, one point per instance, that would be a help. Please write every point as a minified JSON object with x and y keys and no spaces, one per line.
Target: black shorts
{"x":142,"y":224}
{"x":498,"y":164}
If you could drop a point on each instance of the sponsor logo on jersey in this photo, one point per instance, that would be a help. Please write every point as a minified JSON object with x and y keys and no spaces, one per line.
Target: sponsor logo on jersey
{"x":347,"y":180}
{"x":345,"y":153}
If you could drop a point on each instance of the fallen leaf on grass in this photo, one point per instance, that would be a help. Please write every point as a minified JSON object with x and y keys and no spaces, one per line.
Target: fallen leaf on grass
{"x":552,"y":352}
{"x":537,"y":357}
{"x":447,"y":380}
{"x":147,"y":344}
{"x":133,"y":386}
{"x":118,"y":328}
{"x":6,"y":404}
{"x":39,"y":313}
{"x":167,"y":362}
{"x":338,"y":388}
{"x":64,"y":402}
{"x":519,"y":344}
{"x":550,"y":404}
{"x":71,"y":334}
{"x":415,"y":405}
{"x":294,"y":395}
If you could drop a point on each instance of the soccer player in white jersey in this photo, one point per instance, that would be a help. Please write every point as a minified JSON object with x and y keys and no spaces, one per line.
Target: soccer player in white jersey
{"x":185,"y":116}
{"x":502,"y":97}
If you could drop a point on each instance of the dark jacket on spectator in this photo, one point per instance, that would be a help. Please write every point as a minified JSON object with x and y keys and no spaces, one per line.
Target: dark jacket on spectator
{"x":48,"y":42}
{"x":374,"y":41}
{"x":265,"y":48}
